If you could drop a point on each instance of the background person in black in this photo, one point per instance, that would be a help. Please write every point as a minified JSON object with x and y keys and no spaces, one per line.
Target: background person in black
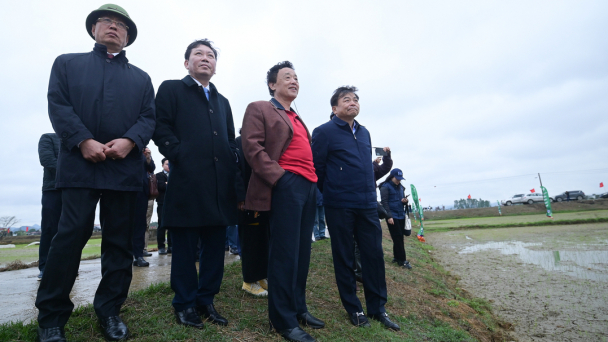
{"x":195,"y":131}
{"x":140,"y":231}
{"x":395,"y":202}
{"x":162,"y":178}
{"x":102,"y":108}
{"x":48,"y":151}
{"x":254,"y":232}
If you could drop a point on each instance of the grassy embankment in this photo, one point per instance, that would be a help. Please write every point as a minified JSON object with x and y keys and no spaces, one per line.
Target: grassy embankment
{"x":568,"y":218}
{"x":426,"y":302}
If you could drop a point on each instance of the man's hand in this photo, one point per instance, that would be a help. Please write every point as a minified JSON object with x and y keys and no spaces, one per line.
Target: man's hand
{"x":93,"y":151}
{"x":404,"y":200}
{"x":148,"y":155}
{"x":119,"y":148}
{"x":378,"y":160}
{"x":390,"y":221}
{"x":387,"y":149}
{"x":241,"y":206}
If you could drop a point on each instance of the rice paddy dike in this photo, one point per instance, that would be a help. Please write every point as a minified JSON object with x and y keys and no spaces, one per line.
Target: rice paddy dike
{"x":549,"y":279}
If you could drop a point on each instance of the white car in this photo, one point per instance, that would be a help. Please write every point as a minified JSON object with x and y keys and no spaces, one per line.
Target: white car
{"x":531,"y":198}
{"x":514,"y":200}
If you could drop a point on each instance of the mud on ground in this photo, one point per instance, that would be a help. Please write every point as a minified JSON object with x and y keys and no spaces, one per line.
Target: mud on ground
{"x":544,"y":303}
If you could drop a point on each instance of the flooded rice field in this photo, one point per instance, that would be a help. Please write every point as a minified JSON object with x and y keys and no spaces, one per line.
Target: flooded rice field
{"x":550,"y":282}
{"x":23,"y":285}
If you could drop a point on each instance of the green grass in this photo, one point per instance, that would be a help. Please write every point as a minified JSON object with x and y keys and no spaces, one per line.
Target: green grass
{"x":597,"y":216}
{"x":28,"y":254}
{"x":421,"y":315}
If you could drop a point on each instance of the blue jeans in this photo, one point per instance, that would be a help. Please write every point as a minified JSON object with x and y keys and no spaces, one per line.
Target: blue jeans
{"x":319,"y":228}
{"x":232,"y":237}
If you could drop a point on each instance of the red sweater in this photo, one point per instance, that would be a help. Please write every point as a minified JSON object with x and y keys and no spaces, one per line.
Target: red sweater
{"x":298,"y":156}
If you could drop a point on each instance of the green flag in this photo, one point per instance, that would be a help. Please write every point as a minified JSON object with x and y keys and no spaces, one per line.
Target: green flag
{"x":499,"y":213}
{"x":547,"y":201}
{"x":415,"y":198}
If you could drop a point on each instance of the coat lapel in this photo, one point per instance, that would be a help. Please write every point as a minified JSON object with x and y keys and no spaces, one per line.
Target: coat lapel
{"x":282,"y":114}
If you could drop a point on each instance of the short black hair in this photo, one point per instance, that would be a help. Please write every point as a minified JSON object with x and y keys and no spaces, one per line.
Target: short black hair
{"x":162,"y":162}
{"x":341,"y":92}
{"x":199,"y":42}
{"x":271,"y":75}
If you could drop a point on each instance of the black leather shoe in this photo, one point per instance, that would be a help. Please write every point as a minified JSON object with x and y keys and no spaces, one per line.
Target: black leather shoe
{"x":296,"y":334}
{"x":162,"y":251}
{"x":147,"y":254}
{"x":407,"y":265}
{"x":40,"y":275}
{"x":140,"y":262}
{"x":358,"y":319}
{"x":208,"y":311}
{"x":55,"y":334}
{"x":113,"y":328}
{"x":383,"y":318}
{"x":309,"y":320}
{"x":189,"y":318}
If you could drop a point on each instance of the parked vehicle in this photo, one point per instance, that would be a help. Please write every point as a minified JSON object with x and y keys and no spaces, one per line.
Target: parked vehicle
{"x":604,"y":195}
{"x":531,"y":198}
{"x":574,"y":195}
{"x":519,"y":198}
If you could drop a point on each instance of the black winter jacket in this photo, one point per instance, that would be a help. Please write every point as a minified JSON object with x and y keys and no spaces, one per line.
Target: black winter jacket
{"x":92,"y":96}
{"x":48,"y":151}
{"x":197,"y":136}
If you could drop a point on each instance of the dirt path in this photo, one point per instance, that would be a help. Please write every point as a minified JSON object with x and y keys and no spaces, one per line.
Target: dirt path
{"x":551,"y":282}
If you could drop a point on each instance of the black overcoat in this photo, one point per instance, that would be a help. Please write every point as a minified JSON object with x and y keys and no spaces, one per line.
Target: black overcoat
{"x":48,"y":151}
{"x":197,"y":136}
{"x":92,"y":96}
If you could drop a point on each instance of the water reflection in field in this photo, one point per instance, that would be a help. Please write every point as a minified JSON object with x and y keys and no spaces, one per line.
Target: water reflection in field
{"x":584,"y":264}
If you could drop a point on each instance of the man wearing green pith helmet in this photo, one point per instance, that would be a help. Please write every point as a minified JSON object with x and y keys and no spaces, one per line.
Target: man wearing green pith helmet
{"x":102,"y":109}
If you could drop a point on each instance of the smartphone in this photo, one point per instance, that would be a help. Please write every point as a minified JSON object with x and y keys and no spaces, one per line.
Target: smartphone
{"x":380,"y":152}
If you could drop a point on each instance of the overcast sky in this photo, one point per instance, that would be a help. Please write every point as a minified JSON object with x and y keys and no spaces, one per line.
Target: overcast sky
{"x":468,"y":94}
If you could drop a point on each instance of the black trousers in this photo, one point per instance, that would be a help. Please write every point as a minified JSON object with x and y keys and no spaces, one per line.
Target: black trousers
{"x":116,"y":213}
{"x":160,"y":232}
{"x":292,"y":217}
{"x":364,"y":226}
{"x":254,"y":251}
{"x":51,"y":212}
{"x":139,"y":231}
{"x":397,"y":231}
{"x":191,"y":289}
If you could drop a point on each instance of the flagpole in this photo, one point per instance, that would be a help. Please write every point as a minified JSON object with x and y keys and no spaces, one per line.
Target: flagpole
{"x":541,"y":181}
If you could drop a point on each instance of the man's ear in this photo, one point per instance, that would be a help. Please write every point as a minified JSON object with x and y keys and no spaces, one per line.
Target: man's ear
{"x":127,"y":42}
{"x":186,"y":64}
{"x":93,"y":31}
{"x":272,"y":86}
{"x":333,"y":109}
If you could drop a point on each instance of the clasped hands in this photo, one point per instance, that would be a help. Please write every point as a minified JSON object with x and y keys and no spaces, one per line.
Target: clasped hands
{"x":94,"y":151}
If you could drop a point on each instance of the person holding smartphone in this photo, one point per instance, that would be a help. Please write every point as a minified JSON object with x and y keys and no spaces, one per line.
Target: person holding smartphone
{"x":394,"y":202}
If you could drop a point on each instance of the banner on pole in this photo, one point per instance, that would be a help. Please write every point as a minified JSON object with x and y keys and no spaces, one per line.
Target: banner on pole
{"x":547,"y":201}
{"x":420,"y":235}
{"x":499,"y":212}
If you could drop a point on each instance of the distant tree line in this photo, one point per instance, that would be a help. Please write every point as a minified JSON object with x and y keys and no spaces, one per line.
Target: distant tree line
{"x":471,"y":203}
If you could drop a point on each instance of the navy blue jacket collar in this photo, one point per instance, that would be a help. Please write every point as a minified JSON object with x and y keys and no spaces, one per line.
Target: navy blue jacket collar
{"x":102,"y":50}
{"x":277,"y":104}
{"x":341,"y":122}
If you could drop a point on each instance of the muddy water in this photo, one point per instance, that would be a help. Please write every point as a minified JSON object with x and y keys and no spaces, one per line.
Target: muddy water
{"x":23,"y":285}
{"x":551,"y":282}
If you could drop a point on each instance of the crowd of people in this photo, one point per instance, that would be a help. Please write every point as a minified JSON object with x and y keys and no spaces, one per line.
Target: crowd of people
{"x":275,"y":187}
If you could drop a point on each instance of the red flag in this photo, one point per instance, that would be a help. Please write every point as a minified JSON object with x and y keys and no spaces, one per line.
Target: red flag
{"x":27,"y":228}
{"x":532,"y":191}
{"x":601,"y":184}
{"x":8,"y":230}
{"x":469,"y":196}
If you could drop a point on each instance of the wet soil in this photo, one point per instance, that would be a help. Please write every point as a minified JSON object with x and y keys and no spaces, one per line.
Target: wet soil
{"x":551,"y":282}
{"x":23,"y":285}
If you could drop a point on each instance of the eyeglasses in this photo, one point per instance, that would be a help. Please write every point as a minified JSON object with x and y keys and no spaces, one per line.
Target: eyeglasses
{"x":109,"y":22}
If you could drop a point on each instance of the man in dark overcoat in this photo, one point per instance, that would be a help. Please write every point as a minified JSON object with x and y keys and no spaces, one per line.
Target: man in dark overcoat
{"x":48,"y":151}
{"x":102,"y":109}
{"x":276,"y":144}
{"x":342,"y":153}
{"x":195,"y":131}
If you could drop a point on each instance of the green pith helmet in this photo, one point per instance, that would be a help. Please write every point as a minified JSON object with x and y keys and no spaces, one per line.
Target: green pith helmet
{"x":115,"y":9}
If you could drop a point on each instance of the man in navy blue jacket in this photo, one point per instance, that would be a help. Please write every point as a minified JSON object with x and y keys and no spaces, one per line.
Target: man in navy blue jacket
{"x":102,"y":109}
{"x":342,"y":153}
